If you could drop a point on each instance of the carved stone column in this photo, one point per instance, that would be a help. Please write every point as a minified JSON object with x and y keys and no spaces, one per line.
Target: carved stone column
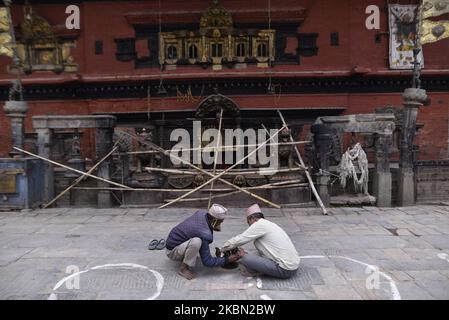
{"x":382,"y":174}
{"x":44,"y":142}
{"x":16,"y":111}
{"x":323,"y":146}
{"x":103,"y":145}
{"x":413,"y":99}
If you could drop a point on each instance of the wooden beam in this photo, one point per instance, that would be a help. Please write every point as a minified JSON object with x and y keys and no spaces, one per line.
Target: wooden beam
{"x":79,"y":179}
{"x":74,"y":170}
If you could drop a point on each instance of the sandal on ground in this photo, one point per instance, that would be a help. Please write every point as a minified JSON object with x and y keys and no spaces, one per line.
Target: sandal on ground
{"x":153,"y":244}
{"x":161,"y":244}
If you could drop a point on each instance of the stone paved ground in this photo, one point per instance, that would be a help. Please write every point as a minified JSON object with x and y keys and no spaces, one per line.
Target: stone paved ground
{"x":354,"y":253}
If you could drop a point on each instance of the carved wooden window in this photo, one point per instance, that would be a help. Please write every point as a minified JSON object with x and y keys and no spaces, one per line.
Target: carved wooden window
{"x":39,"y":48}
{"x":217,"y":50}
{"x":262,"y":50}
{"x":172,"y":52}
{"x":216,"y":42}
{"x":241,"y":50}
{"x":193,"y":51}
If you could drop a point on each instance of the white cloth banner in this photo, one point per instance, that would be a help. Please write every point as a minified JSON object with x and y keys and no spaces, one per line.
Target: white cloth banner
{"x":402,"y":36}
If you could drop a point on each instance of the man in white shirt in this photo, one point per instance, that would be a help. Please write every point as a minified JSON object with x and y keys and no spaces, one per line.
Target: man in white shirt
{"x":278,"y":256}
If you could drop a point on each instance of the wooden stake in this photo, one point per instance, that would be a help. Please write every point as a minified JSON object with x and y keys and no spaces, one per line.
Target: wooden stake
{"x":309,"y":178}
{"x":219,"y":175}
{"x":74,"y":170}
{"x":216,"y":157}
{"x":167,"y":153}
{"x":79,"y":179}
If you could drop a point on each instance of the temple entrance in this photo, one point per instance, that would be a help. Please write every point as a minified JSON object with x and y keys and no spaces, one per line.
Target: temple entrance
{"x":148,"y":176}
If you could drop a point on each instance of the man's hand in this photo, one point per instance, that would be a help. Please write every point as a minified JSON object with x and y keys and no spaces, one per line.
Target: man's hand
{"x":241,"y":252}
{"x":236,"y":256}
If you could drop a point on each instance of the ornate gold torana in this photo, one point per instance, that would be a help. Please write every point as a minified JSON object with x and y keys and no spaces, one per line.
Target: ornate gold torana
{"x":39,"y":49}
{"x":5,"y":36}
{"x":217,"y":42}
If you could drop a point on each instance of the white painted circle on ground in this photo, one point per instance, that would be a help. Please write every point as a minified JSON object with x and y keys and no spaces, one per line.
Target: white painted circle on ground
{"x":394,"y":289}
{"x":157,"y":275}
{"x":443,"y":256}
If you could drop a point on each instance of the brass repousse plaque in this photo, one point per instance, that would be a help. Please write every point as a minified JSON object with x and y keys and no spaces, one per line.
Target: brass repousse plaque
{"x":7,"y":183}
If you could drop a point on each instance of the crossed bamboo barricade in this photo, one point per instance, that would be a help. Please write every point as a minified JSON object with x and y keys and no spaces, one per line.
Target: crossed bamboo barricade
{"x":215,"y":175}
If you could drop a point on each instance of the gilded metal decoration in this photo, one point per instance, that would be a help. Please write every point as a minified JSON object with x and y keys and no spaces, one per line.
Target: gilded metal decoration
{"x":8,"y":183}
{"x":217,"y":42}
{"x":40,"y":49}
{"x":433,"y":31}
{"x":5,"y":36}
{"x":434,"y":8}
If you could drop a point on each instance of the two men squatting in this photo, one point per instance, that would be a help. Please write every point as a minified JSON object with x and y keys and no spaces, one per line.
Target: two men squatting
{"x":277,"y":256}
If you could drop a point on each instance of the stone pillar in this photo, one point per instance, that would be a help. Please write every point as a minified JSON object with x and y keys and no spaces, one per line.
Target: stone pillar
{"x":382,"y":174}
{"x":413,"y":99}
{"x":16,"y":111}
{"x":323,"y":145}
{"x":44,"y":141}
{"x":103,"y":145}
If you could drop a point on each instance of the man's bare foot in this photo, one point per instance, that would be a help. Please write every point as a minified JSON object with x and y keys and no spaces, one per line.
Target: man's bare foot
{"x":186,"y":272}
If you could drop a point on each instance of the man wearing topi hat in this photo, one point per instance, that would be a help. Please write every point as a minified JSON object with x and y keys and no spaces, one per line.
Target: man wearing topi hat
{"x":192,"y":237}
{"x":277,"y":255}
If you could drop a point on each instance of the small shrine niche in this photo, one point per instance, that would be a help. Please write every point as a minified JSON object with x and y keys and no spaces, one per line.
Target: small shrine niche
{"x":217,"y":42}
{"x":40,"y":48}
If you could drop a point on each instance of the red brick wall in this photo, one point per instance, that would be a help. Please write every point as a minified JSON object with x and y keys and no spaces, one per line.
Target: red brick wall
{"x":105,"y":21}
{"x":432,"y":139}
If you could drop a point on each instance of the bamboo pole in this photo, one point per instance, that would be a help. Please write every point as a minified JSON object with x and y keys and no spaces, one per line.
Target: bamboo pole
{"x":222,"y":148}
{"x":233,"y":173}
{"x":74,"y":170}
{"x":309,"y":178}
{"x":216,"y":156}
{"x":219,"y":175}
{"x":79,"y":179}
{"x":167,"y":153}
{"x":272,"y":186}
{"x":235,"y":192}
